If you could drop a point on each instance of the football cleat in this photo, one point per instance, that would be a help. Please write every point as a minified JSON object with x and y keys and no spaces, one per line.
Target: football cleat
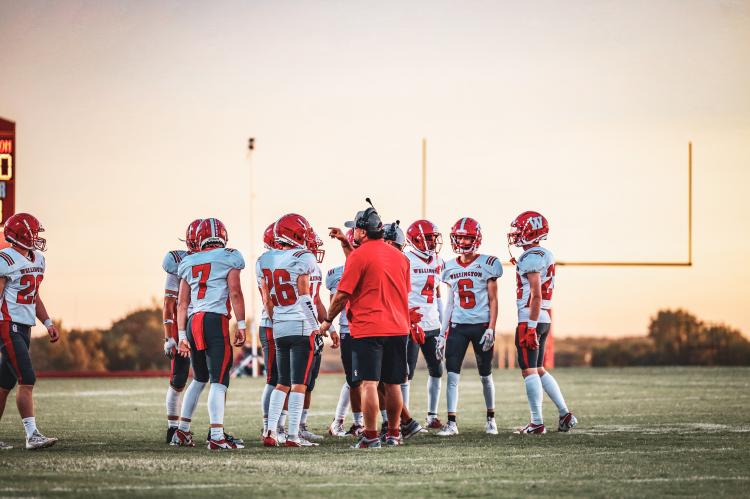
{"x":531,"y":429}
{"x":270,"y":440}
{"x":223,"y":444}
{"x":337,"y":430}
{"x":392,"y":441}
{"x":227,"y":437}
{"x":383,"y":431}
{"x":39,"y":441}
{"x":183,"y":438}
{"x":433,"y":423}
{"x":490,"y":427}
{"x":567,"y":422}
{"x":355,"y":430}
{"x":170,"y":434}
{"x":449,"y":429}
{"x":307,"y":434}
{"x":4,"y":446}
{"x":367,"y":443}
{"x":412,"y":428}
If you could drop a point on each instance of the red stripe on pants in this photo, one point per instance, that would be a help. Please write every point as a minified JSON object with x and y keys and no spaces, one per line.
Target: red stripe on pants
{"x":310,"y":357}
{"x":8,"y":342}
{"x":271,"y":354}
{"x":196,"y":328}
{"x":227,"y":347}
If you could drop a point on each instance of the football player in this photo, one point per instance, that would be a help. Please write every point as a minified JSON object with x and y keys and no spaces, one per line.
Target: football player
{"x":210,"y":280}
{"x":425,"y":242}
{"x":286,"y":296}
{"x":350,"y":389}
{"x":316,"y":281}
{"x":265,"y":333}
{"x":179,"y":366}
{"x":535,"y":280}
{"x":394,"y":235}
{"x":22,"y":267}
{"x":470,"y":317}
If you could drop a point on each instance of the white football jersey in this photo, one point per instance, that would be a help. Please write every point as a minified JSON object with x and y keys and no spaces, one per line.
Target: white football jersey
{"x":471,"y":304}
{"x":535,"y":259}
{"x":22,"y":280}
{"x":316,"y":281}
{"x":206,"y":272}
{"x":425,"y":281}
{"x":265,"y":321}
{"x":170,"y":264}
{"x":332,"y":283}
{"x":280,"y":269}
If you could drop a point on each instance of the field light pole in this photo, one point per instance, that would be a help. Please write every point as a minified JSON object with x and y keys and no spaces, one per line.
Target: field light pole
{"x":253,"y":294}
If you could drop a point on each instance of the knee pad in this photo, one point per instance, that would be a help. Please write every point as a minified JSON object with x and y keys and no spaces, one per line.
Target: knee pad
{"x":435,"y":369}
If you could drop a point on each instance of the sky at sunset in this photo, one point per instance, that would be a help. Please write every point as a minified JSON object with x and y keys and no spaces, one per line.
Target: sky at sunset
{"x":133,"y":118}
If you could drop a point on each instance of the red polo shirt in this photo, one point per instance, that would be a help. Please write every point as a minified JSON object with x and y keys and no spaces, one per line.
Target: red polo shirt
{"x":376,"y":276}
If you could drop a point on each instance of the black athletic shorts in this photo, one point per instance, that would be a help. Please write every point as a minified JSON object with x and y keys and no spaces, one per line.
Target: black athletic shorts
{"x":178,"y":373}
{"x":314,"y":372}
{"x":346,"y":359}
{"x":528,"y":359}
{"x":412,"y":355}
{"x":294,"y":359}
{"x":459,"y":337}
{"x":269,"y":355}
{"x":15,"y":361}
{"x":210,"y":350}
{"x":434,"y":366}
{"x":380,"y":358}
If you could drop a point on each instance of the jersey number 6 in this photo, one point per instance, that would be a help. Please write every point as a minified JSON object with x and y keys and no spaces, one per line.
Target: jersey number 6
{"x":466,"y":298}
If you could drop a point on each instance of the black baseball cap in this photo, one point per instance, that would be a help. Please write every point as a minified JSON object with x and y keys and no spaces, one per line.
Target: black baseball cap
{"x":367,"y":219}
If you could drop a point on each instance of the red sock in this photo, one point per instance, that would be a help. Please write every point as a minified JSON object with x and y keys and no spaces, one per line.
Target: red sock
{"x":370,"y":434}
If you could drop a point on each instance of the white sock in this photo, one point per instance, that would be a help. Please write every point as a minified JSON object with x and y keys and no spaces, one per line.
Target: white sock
{"x":405,"y":393}
{"x":217,"y":433}
{"x":275,"y":406}
{"x":217,"y":396}
{"x":553,"y":391}
{"x":296,"y":403}
{"x":282,"y":418}
{"x":433,"y":394}
{"x":343,"y":405}
{"x":173,"y":406}
{"x":384,"y":415}
{"x":488,"y":389}
{"x":452,"y":392}
{"x":303,"y":419}
{"x":265,"y":399}
{"x":534,"y":393}
{"x":29,"y":424}
{"x":190,"y":402}
{"x":358,"y":418}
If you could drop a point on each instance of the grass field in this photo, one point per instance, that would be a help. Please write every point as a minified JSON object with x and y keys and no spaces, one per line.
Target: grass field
{"x":642,"y":432}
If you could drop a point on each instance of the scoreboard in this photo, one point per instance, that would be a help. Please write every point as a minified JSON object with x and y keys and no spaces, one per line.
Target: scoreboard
{"x":7,"y":169}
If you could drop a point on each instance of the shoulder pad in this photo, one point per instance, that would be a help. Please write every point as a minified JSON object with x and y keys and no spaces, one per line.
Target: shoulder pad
{"x":7,"y":259}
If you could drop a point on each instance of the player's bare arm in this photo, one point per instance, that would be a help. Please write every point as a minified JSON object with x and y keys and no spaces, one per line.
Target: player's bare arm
{"x":336,"y":233}
{"x":337,"y":305}
{"x":265,"y":296}
{"x":321,"y":311}
{"x":42,"y":315}
{"x":183,"y":301}
{"x":535,"y":298}
{"x":238,"y":305}
{"x":169,"y":311}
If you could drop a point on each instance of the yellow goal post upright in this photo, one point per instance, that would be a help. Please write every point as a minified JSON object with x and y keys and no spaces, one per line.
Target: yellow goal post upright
{"x":549,"y":360}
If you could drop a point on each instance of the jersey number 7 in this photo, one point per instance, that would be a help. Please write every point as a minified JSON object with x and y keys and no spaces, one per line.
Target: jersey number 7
{"x":202,"y":272}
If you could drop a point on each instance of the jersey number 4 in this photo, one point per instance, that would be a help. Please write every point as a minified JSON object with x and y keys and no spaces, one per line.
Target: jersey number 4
{"x":30,"y":284}
{"x":279,"y":284}
{"x":428,"y":291}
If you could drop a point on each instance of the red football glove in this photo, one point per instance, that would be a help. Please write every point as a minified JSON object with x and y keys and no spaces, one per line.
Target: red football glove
{"x":527,"y":338}
{"x":414,"y":316}
{"x":417,"y":334}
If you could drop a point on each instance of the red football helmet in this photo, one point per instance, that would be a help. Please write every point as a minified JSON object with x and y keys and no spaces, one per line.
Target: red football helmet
{"x":191,"y":235}
{"x":528,"y":228}
{"x":23,"y":230}
{"x":425,"y":238}
{"x":466,"y":227}
{"x":211,"y":233}
{"x":293,"y":230}
{"x":314,"y":247}
{"x":268,"y":241}
{"x":350,"y":238}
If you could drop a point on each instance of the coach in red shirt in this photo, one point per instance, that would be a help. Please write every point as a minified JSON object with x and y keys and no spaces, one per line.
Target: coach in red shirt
{"x":376,"y":284}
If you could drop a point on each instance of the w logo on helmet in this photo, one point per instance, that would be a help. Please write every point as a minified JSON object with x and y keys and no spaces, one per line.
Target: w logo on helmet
{"x":536,"y":223}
